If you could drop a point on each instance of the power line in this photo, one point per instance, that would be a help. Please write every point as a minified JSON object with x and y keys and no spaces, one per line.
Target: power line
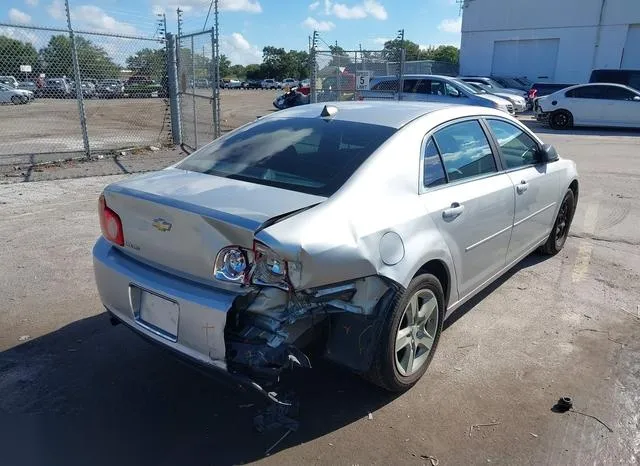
{"x":207,"y":18}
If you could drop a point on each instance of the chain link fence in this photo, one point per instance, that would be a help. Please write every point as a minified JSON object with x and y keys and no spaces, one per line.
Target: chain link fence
{"x":347,"y":74}
{"x":66,"y":91}
{"x":199,"y":90}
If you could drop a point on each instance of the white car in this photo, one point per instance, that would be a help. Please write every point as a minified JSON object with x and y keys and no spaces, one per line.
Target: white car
{"x":596,"y":104}
{"x":232,"y":84}
{"x":15,"y":96}
{"x":269,"y":84}
{"x":289,"y":82}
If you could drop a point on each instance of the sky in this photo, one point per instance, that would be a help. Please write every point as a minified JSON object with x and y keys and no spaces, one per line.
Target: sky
{"x":246,"y":26}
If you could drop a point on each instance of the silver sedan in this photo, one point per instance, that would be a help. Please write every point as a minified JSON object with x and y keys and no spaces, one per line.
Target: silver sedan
{"x":356,"y":226}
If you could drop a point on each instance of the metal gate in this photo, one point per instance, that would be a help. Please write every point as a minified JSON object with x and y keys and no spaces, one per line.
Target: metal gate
{"x":198,"y":87}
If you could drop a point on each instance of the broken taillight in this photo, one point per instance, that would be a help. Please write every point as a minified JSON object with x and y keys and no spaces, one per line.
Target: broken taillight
{"x":110,"y":223}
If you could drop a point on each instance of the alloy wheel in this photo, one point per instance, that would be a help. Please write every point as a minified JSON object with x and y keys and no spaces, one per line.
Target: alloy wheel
{"x":416,"y":333}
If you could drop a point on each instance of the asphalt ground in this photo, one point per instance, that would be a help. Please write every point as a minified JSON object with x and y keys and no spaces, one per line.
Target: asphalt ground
{"x":76,"y":390}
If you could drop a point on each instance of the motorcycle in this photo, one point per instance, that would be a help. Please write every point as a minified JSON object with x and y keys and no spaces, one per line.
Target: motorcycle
{"x":291,"y":98}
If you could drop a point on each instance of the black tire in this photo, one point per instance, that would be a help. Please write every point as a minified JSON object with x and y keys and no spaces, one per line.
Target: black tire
{"x":561,"y":119}
{"x":16,"y":100}
{"x":384,"y":371}
{"x":560,"y":231}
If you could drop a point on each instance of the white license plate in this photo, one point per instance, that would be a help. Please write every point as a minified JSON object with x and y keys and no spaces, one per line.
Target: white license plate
{"x":158,"y":314}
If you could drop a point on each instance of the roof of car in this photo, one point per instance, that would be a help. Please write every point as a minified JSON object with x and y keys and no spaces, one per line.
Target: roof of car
{"x":598,"y":84}
{"x":384,"y":113}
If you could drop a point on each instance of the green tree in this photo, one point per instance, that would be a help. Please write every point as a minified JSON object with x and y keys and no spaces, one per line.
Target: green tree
{"x":94,"y":62}
{"x":148,"y":62}
{"x":237,"y":71}
{"x":14,"y":53}
{"x":224,"y":63}
{"x":392,"y":47}
{"x":446,"y":53}
{"x":253,"y":71}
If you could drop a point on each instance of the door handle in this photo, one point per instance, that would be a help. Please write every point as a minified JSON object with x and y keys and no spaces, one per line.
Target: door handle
{"x":522,"y":187}
{"x":453,"y":211}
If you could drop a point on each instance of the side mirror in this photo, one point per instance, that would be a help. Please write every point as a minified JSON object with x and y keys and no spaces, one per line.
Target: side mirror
{"x":548,"y":153}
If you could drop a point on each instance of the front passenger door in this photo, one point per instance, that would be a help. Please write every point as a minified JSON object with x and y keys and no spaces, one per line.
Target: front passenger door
{"x":536,"y":186}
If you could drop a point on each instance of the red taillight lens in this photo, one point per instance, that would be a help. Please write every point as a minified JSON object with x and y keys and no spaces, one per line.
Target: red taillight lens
{"x":110,"y":223}
{"x":532,"y":93}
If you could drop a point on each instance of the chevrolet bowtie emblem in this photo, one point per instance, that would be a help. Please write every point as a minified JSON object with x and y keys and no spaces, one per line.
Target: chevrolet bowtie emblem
{"x":161,"y":224}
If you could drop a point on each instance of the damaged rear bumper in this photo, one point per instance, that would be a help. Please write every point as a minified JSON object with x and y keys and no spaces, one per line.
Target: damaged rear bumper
{"x":250,"y":336}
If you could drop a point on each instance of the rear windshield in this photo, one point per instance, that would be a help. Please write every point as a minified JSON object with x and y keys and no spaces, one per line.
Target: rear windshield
{"x":309,"y":155}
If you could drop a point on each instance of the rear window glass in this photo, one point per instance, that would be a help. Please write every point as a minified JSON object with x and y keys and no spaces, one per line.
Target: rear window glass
{"x":309,"y":155}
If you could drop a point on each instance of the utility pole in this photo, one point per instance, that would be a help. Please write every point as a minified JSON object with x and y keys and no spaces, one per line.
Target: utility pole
{"x":314,"y":67}
{"x":162,"y":25}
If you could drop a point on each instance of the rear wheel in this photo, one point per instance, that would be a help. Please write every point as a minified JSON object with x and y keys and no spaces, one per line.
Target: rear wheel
{"x":560,"y":232}
{"x":561,"y":119}
{"x":410,"y":335}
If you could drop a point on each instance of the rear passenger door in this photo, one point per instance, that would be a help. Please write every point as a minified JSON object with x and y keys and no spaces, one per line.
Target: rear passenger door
{"x":536,"y":186}
{"x":585,"y":104}
{"x":469,"y":200}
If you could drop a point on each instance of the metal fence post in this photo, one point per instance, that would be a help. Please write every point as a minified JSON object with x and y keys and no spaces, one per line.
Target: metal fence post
{"x":215,"y":51}
{"x":174,"y":98}
{"x":193,"y":93}
{"x":78,"y":83}
{"x":401,"y":74}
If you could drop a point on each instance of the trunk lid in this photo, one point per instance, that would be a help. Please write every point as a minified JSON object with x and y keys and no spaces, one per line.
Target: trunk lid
{"x":180,"y":220}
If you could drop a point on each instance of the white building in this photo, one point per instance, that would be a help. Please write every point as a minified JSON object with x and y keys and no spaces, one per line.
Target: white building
{"x":549,"y":40}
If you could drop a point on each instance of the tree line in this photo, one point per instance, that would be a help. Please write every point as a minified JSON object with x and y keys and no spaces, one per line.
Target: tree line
{"x":95,"y":63}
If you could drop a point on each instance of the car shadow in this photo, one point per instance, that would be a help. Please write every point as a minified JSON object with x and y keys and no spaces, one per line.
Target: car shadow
{"x":92,"y":393}
{"x":542,"y":128}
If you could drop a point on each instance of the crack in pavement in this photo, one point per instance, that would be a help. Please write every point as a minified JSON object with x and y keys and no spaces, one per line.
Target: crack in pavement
{"x":603,"y":239}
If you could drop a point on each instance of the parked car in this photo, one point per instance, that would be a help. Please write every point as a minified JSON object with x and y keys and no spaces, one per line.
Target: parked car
{"x":88,"y":89}
{"x":435,"y":88}
{"x":109,"y":89}
{"x":142,"y":86}
{"x":56,"y":87}
{"x":202,"y":83}
{"x":269,"y":84}
{"x":9,"y":94}
{"x":9,"y":81}
{"x":541,"y":89}
{"x":253,"y":84}
{"x":519,"y":103}
{"x":629,"y":78}
{"x":28,"y":86}
{"x":514,"y":83}
{"x":289,"y":82}
{"x":494,"y":86}
{"x":231,"y":84}
{"x":597,"y":104}
{"x":356,"y":228}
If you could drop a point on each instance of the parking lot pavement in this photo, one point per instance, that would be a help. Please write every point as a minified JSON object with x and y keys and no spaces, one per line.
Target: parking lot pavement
{"x":75,"y":390}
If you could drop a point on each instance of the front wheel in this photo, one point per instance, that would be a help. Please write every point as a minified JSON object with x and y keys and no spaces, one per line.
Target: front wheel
{"x":561,"y":119}
{"x":410,"y":335}
{"x":560,"y":232}
{"x":16,"y":100}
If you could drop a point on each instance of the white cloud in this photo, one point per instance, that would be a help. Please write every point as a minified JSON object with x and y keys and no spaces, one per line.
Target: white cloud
{"x":375,"y":9}
{"x":239,"y":50}
{"x":381,"y":40}
{"x":240,"y":5}
{"x":316,"y":25}
{"x":451,"y":25}
{"x":24,"y":35}
{"x":56,"y":10}
{"x":31,"y":2}
{"x":158,"y":10}
{"x":314,"y":6}
{"x":327,"y":7}
{"x":343,"y":11}
{"x":359,"y":11}
{"x":95,"y":19}
{"x":18,"y":17}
